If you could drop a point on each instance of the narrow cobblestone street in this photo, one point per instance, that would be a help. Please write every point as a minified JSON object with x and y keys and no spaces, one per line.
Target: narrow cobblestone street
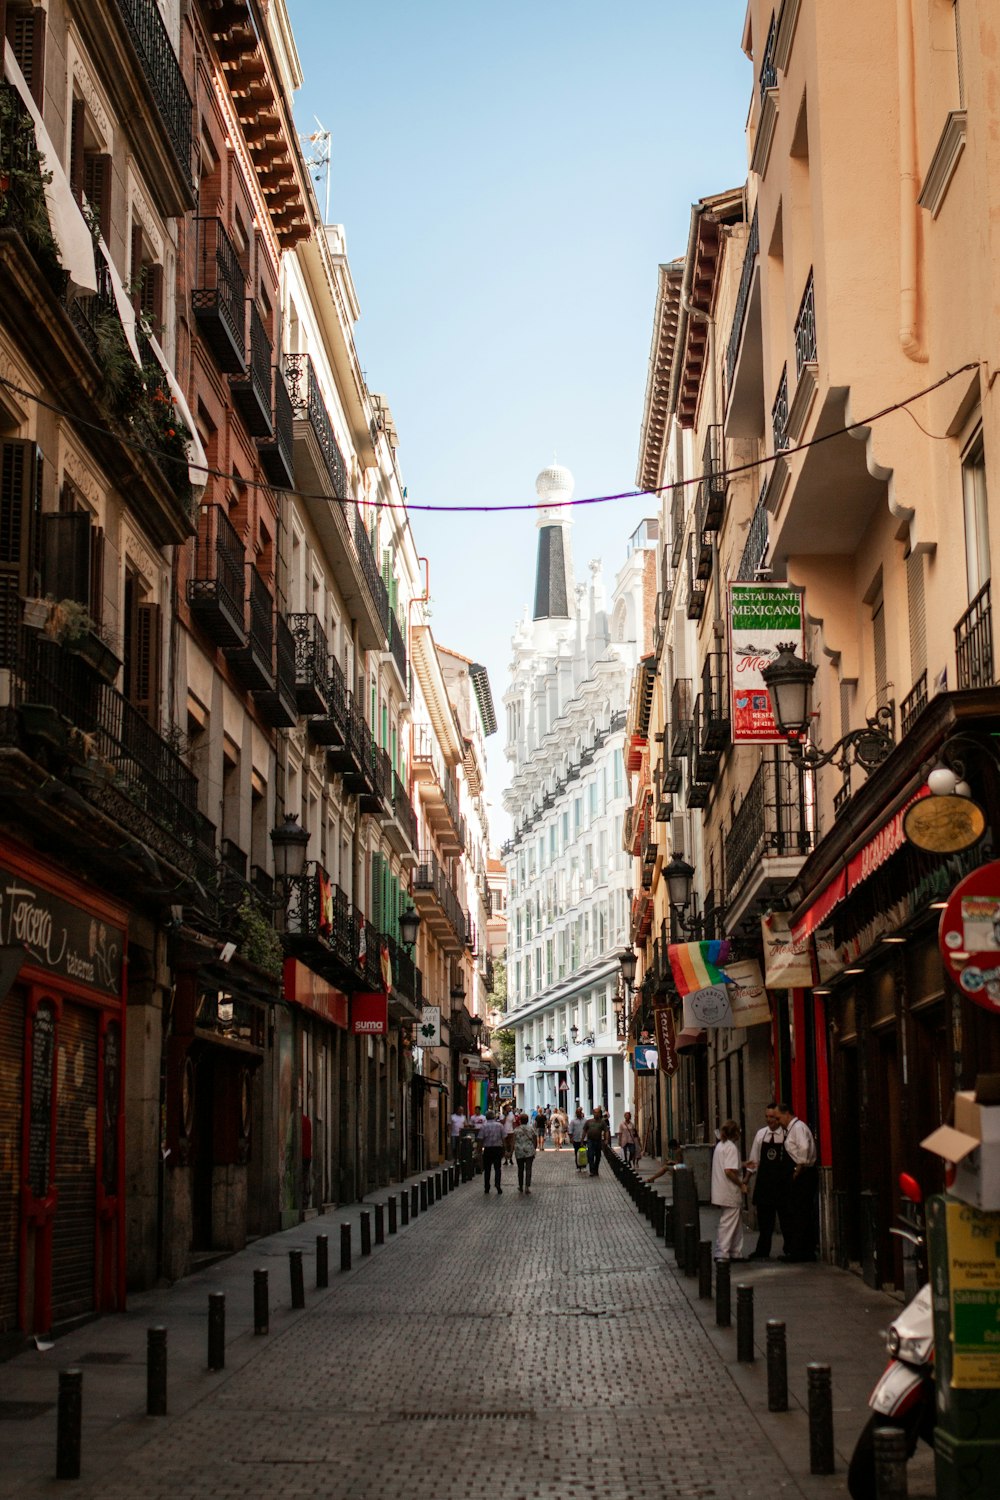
{"x":397,"y":1377}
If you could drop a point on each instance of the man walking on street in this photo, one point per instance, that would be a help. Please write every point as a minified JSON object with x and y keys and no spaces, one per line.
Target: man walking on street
{"x":509,"y":1121}
{"x":577,"y":1126}
{"x":524,"y":1152}
{"x":491,"y":1135}
{"x":457,"y":1126}
{"x":772,"y":1172}
{"x":800,"y":1229}
{"x":595,"y":1134}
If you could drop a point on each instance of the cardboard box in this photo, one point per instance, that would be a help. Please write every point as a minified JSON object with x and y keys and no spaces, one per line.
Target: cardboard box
{"x":972,"y":1145}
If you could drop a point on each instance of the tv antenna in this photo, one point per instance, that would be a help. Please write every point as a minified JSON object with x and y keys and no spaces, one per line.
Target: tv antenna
{"x":318,"y":159}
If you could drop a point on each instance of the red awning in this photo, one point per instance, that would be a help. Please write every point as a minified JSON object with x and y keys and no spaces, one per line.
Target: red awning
{"x":690,"y":1037}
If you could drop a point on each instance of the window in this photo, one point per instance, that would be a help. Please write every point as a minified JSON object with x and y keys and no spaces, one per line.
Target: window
{"x":25,"y":30}
{"x":146,"y":280}
{"x":602,"y":1011}
{"x":141,"y":649}
{"x":977,"y":526}
{"x":89,"y":168}
{"x":879,"y":651}
{"x":619,"y":775}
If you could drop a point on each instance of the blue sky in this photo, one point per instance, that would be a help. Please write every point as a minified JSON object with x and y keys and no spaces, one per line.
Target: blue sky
{"x":509,"y":178}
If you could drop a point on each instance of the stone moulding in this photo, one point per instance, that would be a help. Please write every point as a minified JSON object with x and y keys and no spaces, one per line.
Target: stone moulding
{"x":944,"y":162}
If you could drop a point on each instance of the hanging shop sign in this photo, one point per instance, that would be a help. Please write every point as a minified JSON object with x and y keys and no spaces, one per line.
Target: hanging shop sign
{"x":645,"y":1058}
{"x":788,"y":954}
{"x":666,"y":1039}
{"x":944,"y":825}
{"x":429,"y":1027}
{"x":969,"y":936}
{"x":370,"y":1014}
{"x":304,"y":987}
{"x":747,"y":996}
{"x":59,"y":936}
{"x":761,"y":615}
{"x":707,"y":1007}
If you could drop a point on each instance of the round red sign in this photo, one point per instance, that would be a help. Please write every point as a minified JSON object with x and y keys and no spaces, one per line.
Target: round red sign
{"x":969,"y":936}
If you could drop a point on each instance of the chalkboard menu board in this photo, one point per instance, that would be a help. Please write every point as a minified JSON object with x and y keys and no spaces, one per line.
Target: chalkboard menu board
{"x":43,"y":1052}
{"x":60,"y":936}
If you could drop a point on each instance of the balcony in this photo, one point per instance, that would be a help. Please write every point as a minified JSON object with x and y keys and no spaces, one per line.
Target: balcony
{"x":698,"y":793}
{"x":438,"y":904}
{"x":806,"y":351}
{"x":369,"y":569}
{"x":671,"y":779}
{"x":714,"y":481}
{"x":767,"y":841}
{"x":329,"y":727}
{"x":705,"y":756}
{"x":252,"y":391}
{"x":355,"y":759}
{"x":72,"y":729}
{"x":914,"y":703}
{"x":697,"y":586}
{"x":312,"y":663}
{"x":768,"y":69}
{"x":252,"y":663}
{"x":397,"y":650}
{"x":753,"y":562}
{"x":744,"y":353}
{"x":336,"y":940}
{"x":279,"y":705}
{"x":219,"y":295}
{"x":401,"y":828}
{"x":704,"y":535}
{"x":276,"y":456}
{"x":779,"y":414}
{"x":681,"y":716}
{"x":974,"y":643}
{"x":162,"y":72}
{"x":715,"y":712}
{"x":438,"y":792}
{"x":215,"y":591}
{"x":308,"y":405}
{"x":678,"y":518}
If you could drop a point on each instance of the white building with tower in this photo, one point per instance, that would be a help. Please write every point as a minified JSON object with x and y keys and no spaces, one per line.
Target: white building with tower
{"x":568,"y":875}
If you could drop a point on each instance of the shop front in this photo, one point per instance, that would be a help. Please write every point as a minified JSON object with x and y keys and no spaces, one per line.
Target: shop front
{"x":62,"y":1222}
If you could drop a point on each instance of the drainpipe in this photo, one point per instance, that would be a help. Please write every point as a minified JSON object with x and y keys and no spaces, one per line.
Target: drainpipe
{"x":909,"y":188}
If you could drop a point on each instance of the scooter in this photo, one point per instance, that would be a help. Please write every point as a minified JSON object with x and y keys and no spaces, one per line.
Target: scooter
{"x":904,"y":1394}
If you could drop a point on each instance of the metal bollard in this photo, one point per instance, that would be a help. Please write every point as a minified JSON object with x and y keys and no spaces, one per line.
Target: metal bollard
{"x":668,"y":1223}
{"x":391,"y":1205}
{"x":216,"y":1330}
{"x":777,"y":1366}
{"x":156,"y":1371}
{"x":438,"y":1189}
{"x":723,"y":1301}
{"x":445,"y":1177}
{"x":69,"y":1421}
{"x":890,"y":1463}
{"x":415,"y":1200}
{"x":820,"y":1419}
{"x":659,"y":1204}
{"x":423,"y":1195}
{"x":404,"y":1207}
{"x":379,"y":1224}
{"x":690,"y":1250}
{"x":322,"y":1262}
{"x":261,"y":1317}
{"x":366,"y":1232}
{"x":345,"y":1247}
{"x":295,"y":1279}
{"x":744,"y":1324}
{"x":705,"y":1270}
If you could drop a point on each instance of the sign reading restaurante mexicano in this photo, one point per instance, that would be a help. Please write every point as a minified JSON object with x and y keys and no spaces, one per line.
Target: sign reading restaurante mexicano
{"x":761,"y":615}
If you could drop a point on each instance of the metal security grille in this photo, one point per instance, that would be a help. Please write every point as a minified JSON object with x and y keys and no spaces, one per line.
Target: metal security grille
{"x":11,"y":1077}
{"x":76,"y":1165}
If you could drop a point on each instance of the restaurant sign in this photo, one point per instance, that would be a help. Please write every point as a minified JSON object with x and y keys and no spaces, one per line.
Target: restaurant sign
{"x":761,"y":616}
{"x":969,"y":936}
{"x":60,"y":937}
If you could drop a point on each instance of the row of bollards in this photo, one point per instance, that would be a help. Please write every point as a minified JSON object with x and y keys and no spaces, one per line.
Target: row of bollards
{"x":393,"y":1212}
{"x":694,"y":1258}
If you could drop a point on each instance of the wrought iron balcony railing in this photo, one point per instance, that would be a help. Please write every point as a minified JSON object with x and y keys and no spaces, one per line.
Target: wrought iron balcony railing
{"x":974,"y":643}
{"x":163,"y":74}
{"x":697,"y":586}
{"x":277,"y":455}
{"x":279,"y":705}
{"x":307,"y":403}
{"x":715,"y":714}
{"x":215,"y":589}
{"x":770,"y":822}
{"x":806,"y":352}
{"x":403,"y":809}
{"x":428,"y":876}
{"x":252,"y":391}
{"x":714,"y":467}
{"x":219,"y":294}
{"x":750,"y":255}
{"x":757,"y":545}
{"x":312,"y":663}
{"x":397,"y":645}
{"x":253,"y":663}
{"x":768,"y":68}
{"x":678,"y":516}
{"x":779,"y":414}
{"x":369,"y":568}
{"x":681,"y":716}
{"x":914,"y":703}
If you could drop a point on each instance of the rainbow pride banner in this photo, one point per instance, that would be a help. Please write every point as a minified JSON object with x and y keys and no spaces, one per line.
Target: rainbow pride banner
{"x":697,"y":966}
{"x":478,"y":1095}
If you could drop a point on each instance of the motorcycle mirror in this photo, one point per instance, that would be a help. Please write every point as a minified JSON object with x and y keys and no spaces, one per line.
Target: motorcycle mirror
{"x":910,"y":1188}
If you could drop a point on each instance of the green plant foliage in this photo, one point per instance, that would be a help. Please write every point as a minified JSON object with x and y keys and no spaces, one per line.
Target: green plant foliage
{"x":258,"y":942}
{"x":503,"y":1044}
{"x":22,"y":183}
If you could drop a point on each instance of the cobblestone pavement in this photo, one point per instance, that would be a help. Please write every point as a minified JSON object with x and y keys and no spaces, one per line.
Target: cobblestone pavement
{"x":396,"y":1379}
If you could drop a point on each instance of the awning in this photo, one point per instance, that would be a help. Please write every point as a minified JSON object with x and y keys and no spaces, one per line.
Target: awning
{"x":690,"y":1037}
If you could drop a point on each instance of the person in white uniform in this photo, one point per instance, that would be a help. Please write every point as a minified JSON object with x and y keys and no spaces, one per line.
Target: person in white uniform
{"x":801,"y":1230}
{"x":728,"y":1188}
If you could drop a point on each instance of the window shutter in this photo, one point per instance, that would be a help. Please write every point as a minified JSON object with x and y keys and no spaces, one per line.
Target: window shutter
{"x":26,"y":34}
{"x":20,"y":471}
{"x":76,"y":149}
{"x":96,"y":592}
{"x":916,"y":606}
{"x":97,"y":186}
{"x":136,"y":268}
{"x":377,"y":863}
{"x":879,"y":649}
{"x":145,"y":673}
{"x":152,"y":295}
{"x":66,"y":555}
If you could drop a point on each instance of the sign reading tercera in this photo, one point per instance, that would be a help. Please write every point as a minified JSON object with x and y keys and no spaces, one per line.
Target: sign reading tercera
{"x":370,"y":1014}
{"x":761,"y":615}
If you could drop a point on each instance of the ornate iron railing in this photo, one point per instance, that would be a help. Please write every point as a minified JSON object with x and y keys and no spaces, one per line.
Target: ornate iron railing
{"x":771,"y":821}
{"x":914,"y":703}
{"x":742,"y":298}
{"x":163,"y":74}
{"x":307,"y":402}
{"x":369,"y":569}
{"x":806,"y":352}
{"x":312,"y":660}
{"x":974,"y":643}
{"x":715,"y":719}
{"x":768,"y":68}
{"x":681,"y":716}
{"x":678,"y":516}
{"x":403,"y":808}
{"x":757,"y":544}
{"x":220,"y":281}
{"x":397,"y":645}
{"x":779,"y":414}
{"x":429,"y":876}
{"x":219,"y":563}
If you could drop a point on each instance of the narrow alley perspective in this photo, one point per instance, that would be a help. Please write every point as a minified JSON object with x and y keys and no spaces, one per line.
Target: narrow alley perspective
{"x":534,"y":1345}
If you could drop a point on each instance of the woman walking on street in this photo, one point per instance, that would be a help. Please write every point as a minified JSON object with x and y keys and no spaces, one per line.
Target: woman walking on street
{"x":524,"y":1153}
{"x":728,"y":1188}
{"x":628,"y":1138}
{"x":559,"y":1123}
{"x":541,"y":1125}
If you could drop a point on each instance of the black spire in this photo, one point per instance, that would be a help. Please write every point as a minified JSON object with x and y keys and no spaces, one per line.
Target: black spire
{"x":550,"y":579}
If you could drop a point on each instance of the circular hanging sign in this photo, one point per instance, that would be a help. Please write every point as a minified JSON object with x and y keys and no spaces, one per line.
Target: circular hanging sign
{"x":969,"y":936}
{"x":710,"y":1007}
{"x":944,"y":825}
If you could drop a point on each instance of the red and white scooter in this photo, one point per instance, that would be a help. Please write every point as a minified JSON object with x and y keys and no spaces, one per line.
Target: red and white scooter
{"x":904,"y":1394}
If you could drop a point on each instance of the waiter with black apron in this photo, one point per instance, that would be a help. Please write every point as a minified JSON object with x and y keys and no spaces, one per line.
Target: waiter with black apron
{"x":772,"y":1175}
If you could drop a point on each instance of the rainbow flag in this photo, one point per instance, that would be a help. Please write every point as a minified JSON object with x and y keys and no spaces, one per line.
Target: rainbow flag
{"x":478,"y":1096}
{"x":696,"y":966}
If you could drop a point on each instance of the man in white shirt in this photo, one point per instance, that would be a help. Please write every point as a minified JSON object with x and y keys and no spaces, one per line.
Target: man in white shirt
{"x":728,"y":1188}
{"x":509,"y":1122}
{"x":800,"y":1144}
{"x":771,"y":1167}
{"x":457,"y":1126}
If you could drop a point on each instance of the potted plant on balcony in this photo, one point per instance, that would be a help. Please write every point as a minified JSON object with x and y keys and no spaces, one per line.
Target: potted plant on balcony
{"x":70,"y":625}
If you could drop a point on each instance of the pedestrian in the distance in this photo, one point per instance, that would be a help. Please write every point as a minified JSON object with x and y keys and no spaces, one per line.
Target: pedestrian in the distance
{"x":577,"y":1126}
{"x":728,"y":1189}
{"x":491,"y":1136}
{"x":559,"y":1124}
{"x":457,"y":1126}
{"x":524,"y":1153}
{"x":509,"y":1122}
{"x":595,"y":1133}
{"x":541,"y":1125}
{"x":628,"y":1138}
